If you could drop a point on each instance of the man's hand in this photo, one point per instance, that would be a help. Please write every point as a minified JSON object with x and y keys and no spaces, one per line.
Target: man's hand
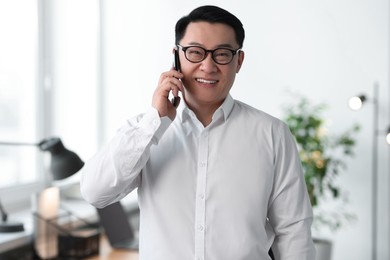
{"x":169,"y":81}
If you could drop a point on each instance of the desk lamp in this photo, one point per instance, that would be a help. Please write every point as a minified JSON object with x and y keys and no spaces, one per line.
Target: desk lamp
{"x":64,"y":163}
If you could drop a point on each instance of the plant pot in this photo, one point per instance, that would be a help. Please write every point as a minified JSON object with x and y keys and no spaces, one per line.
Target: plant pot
{"x":324,"y":249}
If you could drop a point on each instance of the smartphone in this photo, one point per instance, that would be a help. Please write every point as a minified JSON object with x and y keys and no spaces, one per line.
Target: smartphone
{"x":176,"y":61}
{"x":176,"y":65}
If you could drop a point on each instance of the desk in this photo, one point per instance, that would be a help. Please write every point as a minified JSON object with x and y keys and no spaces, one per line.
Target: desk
{"x":108,"y":253}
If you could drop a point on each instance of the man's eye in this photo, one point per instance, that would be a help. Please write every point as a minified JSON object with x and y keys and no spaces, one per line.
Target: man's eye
{"x":195,"y":52}
{"x":222,"y":54}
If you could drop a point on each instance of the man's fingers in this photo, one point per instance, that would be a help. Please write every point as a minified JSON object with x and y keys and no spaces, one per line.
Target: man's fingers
{"x":172,"y":84}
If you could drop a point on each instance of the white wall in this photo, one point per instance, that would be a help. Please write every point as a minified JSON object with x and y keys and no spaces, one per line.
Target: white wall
{"x":74,"y":37}
{"x":326,"y":50}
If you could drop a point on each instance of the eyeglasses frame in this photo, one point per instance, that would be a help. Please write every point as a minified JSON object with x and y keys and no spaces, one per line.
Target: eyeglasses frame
{"x":184,"y":48}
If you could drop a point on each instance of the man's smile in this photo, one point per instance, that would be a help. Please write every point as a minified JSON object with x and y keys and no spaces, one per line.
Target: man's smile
{"x":207,"y":81}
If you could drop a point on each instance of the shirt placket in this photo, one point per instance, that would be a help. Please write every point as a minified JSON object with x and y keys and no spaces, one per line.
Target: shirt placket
{"x":200,"y":211}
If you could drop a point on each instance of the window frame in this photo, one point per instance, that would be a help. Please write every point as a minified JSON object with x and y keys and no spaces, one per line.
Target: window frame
{"x":18,"y":196}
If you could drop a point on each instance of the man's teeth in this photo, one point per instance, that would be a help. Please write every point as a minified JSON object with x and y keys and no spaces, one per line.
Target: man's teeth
{"x":206,"y":81}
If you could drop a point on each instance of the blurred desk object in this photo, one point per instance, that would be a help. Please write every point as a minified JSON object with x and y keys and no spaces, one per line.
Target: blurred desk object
{"x":109,"y":253}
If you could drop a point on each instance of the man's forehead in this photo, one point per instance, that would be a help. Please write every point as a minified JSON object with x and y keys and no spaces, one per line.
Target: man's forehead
{"x":202,"y":32}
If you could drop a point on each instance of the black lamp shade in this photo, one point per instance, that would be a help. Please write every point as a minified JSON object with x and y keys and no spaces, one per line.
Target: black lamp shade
{"x":64,"y":163}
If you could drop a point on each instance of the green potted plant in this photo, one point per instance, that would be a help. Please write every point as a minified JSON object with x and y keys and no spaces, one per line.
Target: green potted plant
{"x":323,"y":158}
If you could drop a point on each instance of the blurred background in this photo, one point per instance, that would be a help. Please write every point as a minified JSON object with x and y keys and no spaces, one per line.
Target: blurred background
{"x":79,"y":69}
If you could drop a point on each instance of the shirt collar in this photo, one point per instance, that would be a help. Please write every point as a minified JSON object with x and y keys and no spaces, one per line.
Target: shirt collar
{"x":227,"y":106}
{"x":184,"y":113}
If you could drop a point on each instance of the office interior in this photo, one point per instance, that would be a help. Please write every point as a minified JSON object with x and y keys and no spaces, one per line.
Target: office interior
{"x":78,"y":70}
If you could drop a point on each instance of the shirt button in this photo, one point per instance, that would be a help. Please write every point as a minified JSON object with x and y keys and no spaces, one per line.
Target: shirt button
{"x":201,"y":196}
{"x":202,"y":164}
{"x":200,"y":227}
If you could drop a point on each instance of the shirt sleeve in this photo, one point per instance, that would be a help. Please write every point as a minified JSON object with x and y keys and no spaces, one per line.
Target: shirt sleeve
{"x":114,"y":171}
{"x":290,"y":213}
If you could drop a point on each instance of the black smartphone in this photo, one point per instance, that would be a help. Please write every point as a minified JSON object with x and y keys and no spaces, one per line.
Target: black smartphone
{"x":176,"y":61}
{"x":176,"y":65}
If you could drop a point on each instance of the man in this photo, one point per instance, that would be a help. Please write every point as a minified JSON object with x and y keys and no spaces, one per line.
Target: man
{"x":216,"y":178}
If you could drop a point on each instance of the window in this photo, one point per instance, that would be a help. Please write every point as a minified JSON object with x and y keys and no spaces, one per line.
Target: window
{"x":48,"y":85}
{"x":18,"y":91}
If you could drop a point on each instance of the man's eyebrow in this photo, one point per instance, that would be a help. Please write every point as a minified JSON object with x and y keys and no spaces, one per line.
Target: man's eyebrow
{"x":226,"y":45}
{"x":223,"y":45}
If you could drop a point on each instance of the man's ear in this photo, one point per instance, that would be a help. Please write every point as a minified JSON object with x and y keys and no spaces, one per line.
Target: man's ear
{"x":241,"y":56}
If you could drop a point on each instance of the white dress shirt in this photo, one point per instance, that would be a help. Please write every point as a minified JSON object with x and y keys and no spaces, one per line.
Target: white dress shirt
{"x":226,"y":191}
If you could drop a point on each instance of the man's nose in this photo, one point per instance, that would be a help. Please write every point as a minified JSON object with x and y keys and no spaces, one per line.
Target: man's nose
{"x":208,"y":64}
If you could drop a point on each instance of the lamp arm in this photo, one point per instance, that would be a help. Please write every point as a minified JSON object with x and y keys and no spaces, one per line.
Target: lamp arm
{"x":4,"y":215}
{"x":19,"y":143}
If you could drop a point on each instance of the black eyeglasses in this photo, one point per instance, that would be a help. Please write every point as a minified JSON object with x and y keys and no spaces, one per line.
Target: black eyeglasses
{"x":197,"y":54}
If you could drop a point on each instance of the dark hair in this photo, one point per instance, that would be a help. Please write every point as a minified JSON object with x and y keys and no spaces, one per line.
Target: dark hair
{"x":212,"y":14}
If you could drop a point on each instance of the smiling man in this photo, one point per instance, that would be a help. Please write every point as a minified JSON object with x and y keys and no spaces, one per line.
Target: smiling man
{"x":216,"y":178}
